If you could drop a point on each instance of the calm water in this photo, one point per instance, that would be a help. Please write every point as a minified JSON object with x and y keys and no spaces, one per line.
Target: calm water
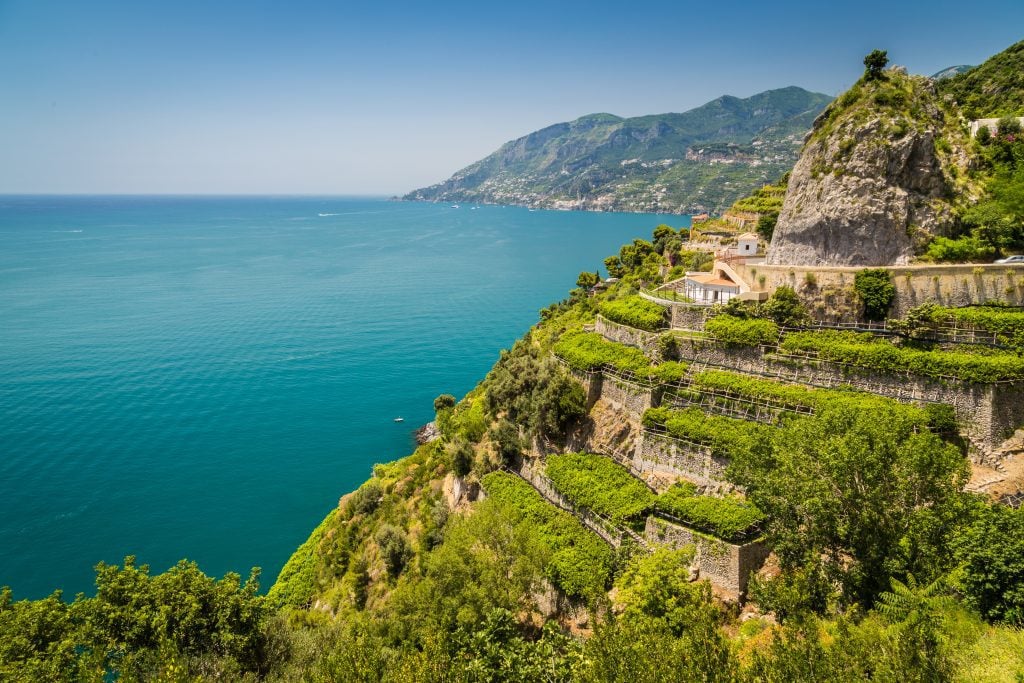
{"x":204,"y":377}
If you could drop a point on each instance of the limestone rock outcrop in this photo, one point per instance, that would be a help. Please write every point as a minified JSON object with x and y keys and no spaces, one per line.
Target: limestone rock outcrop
{"x":876,"y":179}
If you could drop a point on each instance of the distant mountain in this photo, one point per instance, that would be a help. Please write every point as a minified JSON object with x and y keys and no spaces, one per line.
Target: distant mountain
{"x":951,"y":71}
{"x":700,"y":160}
{"x":995,"y":88}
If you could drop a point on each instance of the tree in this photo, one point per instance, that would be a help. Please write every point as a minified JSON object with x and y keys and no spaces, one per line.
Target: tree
{"x":394,"y":548}
{"x":875,"y":61}
{"x":587,"y":280}
{"x":560,"y":404}
{"x":1008,"y":125}
{"x":984,"y":135}
{"x":662,"y":234}
{"x":460,"y":455}
{"x":662,"y":231}
{"x":506,"y":436}
{"x":876,"y":292}
{"x":864,"y":491}
{"x":444,"y":401}
{"x":919,"y":612}
{"x":785,"y":308}
{"x":614,"y":266}
{"x":991,"y":551}
{"x":766,"y":225}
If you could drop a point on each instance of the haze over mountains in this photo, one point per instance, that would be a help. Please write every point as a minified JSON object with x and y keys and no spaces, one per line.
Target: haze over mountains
{"x":699,"y":160}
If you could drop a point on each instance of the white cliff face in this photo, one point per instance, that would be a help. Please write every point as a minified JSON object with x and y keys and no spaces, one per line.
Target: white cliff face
{"x":873,"y":183}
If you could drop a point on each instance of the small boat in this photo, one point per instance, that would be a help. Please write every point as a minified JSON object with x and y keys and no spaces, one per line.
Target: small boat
{"x":455,"y":206}
{"x":399,"y":419}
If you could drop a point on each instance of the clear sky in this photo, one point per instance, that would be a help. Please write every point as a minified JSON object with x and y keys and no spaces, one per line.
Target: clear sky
{"x":340,"y":97}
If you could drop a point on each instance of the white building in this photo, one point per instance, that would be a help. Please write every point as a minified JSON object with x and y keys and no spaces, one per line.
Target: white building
{"x":710,"y":288}
{"x":991,"y":124}
{"x":746,"y":244}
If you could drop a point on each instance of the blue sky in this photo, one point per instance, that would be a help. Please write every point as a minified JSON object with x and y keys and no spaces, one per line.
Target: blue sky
{"x":310,"y":97}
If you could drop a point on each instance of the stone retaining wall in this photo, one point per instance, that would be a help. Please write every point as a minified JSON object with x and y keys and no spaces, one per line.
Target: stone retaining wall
{"x":988,"y":413}
{"x":665,"y":455}
{"x":828,"y":288}
{"x":630,"y":336}
{"x":631,"y":397}
{"x":727,"y":565}
{"x":688,"y":317}
{"x":591,"y":382}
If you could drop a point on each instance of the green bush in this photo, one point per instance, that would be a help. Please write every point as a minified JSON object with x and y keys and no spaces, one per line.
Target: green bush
{"x":581,"y":562}
{"x":731,"y":519}
{"x":444,"y":401}
{"x":742,"y":332}
{"x":960,"y":250}
{"x":991,"y":552}
{"x":635,"y":311}
{"x":785,"y":308}
{"x":599,"y":484}
{"x":876,"y":292}
{"x":394,"y":547}
{"x":880,"y":355}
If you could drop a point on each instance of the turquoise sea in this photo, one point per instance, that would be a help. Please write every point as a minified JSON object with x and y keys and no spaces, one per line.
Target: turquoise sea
{"x":202,"y":378}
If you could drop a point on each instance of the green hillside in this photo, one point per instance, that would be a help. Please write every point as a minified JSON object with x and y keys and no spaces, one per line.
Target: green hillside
{"x":996,"y":88}
{"x":700,"y":160}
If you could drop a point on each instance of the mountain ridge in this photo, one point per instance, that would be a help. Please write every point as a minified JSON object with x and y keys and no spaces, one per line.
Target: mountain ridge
{"x":698,"y":160}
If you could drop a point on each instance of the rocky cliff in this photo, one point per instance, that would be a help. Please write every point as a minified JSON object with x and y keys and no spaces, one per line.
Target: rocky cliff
{"x":878,"y":177}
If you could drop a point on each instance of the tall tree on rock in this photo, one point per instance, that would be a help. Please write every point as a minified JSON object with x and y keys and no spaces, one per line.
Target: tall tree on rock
{"x":874,"y":63}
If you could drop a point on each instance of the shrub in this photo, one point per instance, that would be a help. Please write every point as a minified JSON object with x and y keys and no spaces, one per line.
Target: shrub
{"x":366,"y":498}
{"x":635,"y":311}
{"x":460,"y":457}
{"x":668,"y":346}
{"x":992,"y":553}
{"x":394,"y":548}
{"x":444,"y":401}
{"x":506,"y":436}
{"x":875,"y":291}
{"x":785,"y":308}
{"x":959,"y":250}
{"x":1008,"y":125}
{"x":469,"y":419}
{"x":599,"y":484}
{"x":738,"y":332}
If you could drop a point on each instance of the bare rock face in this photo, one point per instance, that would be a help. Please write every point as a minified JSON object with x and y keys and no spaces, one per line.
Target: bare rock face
{"x":875,"y":180}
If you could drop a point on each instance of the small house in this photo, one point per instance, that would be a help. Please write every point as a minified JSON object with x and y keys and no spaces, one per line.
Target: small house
{"x":746,"y":244}
{"x":710,"y":288}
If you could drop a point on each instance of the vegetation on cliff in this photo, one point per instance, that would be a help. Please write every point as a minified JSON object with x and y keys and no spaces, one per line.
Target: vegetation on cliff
{"x":993,"y":89}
